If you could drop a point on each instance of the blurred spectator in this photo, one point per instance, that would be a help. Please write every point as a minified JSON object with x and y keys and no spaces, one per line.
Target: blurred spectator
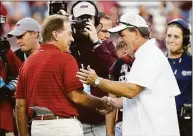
{"x":111,"y":8}
{"x":38,"y":10}
{"x":3,"y":12}
{"x":18,"y":9}
{"x":177,"y":41}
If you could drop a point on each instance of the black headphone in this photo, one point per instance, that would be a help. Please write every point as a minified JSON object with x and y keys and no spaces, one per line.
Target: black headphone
{"x":186,"y":31}
{"x":96,"y":16}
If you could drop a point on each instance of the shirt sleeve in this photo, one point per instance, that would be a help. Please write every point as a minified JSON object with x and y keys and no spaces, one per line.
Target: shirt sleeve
{"x":145,"y":72}
{"x":70,"y":68}
{"x":106,"y":51}
{"x":20,"y":90}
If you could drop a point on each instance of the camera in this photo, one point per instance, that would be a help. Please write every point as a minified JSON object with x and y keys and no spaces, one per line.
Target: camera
{"x":56,"y":6}
{"x":79,"y":23}
{"x":4,"y":43}
{"x":186,"y":111}
{"x":2,"y":19}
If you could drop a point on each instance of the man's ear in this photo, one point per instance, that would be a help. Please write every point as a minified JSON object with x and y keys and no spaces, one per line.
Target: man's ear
{"x":137,"y":33}
{"x":55,"y":35}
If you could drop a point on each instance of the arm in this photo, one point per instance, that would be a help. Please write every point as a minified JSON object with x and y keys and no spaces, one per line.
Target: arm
{"x":127,"y":90}
{"x":110,"y":121}
{"x":21,"y":117}
{"x":101,"y":49}
{"x":108,"y":56}
{"x":82,"y":98}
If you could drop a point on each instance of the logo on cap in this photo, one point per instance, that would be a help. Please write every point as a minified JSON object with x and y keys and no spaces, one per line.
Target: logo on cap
{"x":17,"y":25}
{"x":84,"y":6}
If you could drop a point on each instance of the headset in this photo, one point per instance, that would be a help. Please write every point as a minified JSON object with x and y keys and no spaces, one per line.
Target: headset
{"x":96,"y":16}
{"x":185,"y":29}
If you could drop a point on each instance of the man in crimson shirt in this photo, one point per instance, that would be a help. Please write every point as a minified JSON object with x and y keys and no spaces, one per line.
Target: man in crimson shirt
{"x":48,"y":80}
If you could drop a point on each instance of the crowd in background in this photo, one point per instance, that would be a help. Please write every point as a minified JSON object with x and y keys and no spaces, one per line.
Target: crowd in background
{"x":157,"y":14}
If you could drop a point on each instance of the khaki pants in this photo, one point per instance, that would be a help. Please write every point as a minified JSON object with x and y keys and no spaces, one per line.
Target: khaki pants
{"x":9,"y":134}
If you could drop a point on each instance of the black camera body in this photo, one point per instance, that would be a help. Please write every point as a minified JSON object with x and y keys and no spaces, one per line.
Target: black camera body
{"x":4,"y":45}
{"x":56,"y":6}
{"x":2,"y":19}
{"x":79,"y":23}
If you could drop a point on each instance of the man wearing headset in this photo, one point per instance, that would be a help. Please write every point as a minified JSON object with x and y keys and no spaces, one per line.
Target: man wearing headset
{"x":88,"y":49}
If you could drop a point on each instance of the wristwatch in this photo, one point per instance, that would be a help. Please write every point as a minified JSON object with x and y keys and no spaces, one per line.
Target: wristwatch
{"x":97,"y":43}
{"x":97,"y":81}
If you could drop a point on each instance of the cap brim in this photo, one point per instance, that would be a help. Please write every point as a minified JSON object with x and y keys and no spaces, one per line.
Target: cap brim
{"x":118,"y":28}
{"x":78,"y":14}
{"x":16,"y":33}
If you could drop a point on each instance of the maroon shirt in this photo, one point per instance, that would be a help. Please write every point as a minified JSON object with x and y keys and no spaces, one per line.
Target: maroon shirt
{"x":101,"y":60}
{"x":46,"y":78}
{"x":6,"y":109}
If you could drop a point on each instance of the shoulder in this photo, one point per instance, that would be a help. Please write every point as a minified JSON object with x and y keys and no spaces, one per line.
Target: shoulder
{"x":66,"y":57}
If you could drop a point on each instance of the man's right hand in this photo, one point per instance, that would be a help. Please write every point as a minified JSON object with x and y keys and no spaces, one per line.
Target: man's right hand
{"x":107,"y":106}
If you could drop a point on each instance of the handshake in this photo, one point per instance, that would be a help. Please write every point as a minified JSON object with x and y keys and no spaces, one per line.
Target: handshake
{"x":110,"y":104}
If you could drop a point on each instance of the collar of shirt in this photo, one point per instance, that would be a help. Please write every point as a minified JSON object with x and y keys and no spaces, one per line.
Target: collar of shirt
{"x":142,"y":47}
{"x":48,"y":46}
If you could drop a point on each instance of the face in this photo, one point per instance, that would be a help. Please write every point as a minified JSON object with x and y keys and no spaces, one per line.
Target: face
{"x":27,"y":41}
{"x":64,"y":37}
{"x":103,"y":32}
{"x":174,"y":39}
{"x":121,"y":51}
{"x":129,"y":38}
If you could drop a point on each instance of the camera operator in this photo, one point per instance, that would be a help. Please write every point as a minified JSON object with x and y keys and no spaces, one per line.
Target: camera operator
{"x":88,"y":49}
{"x":9,"y":70}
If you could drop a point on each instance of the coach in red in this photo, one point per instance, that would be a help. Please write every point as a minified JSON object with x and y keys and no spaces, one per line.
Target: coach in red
{"x":48,"y":80}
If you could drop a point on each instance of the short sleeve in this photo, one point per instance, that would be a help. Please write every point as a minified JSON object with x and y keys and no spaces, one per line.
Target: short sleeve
{"x":20,"y":90}
{"x":144,"y":72}
{"x":70,"y":68}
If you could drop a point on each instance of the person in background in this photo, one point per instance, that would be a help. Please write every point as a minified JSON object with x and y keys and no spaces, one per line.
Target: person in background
{"x":104,"y":25}
{"x":89,"y":49}
{"x":10,"y":65}
{"x":118,"y":72}
{"x":121,"y":49}
{"x":177,"y":42}
{"x":149,"y":106}
{"x":26,"y":32}
{"x":48,"y":89}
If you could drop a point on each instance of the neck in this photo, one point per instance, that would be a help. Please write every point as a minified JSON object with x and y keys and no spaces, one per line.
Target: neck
{"x":141,"y":42}
{"x":175,"y":55}
{"x":30,"y":52}
{"x":55,"y":44}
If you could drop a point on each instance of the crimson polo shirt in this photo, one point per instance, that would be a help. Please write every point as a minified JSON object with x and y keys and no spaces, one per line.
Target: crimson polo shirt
{"x":46,"y":78}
